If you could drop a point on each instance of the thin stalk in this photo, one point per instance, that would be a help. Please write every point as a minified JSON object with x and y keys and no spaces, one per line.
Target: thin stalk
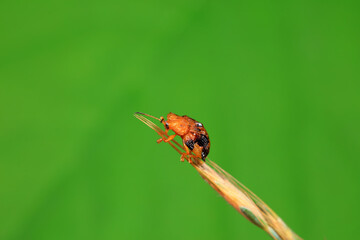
{"x":235,"y":193}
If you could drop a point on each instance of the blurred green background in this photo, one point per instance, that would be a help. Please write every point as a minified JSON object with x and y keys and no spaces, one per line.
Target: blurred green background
{"x":276,"y":84}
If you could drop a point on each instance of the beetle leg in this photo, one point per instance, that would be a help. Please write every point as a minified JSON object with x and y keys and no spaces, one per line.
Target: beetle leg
{"x":187,"y":153}
{"x":170,"y":138}
{"x":182,"y":157}
{"x":166,"y":140}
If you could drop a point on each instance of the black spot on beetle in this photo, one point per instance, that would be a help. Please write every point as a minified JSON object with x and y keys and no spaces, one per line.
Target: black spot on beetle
{"x":199,"y":124}
{"x":190,"y":144}
{"x":205,"y":152}
{"x":167,"y":125}
{"x":203,"y":141}
{"x":203,"y":155}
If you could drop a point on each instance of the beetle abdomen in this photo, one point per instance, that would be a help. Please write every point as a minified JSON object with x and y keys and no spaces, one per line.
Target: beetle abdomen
{"x":204,"y":143}
{"x":190,"y":144}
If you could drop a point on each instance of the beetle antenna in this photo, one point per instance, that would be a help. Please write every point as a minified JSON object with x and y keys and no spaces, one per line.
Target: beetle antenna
{"x":148,"y":115}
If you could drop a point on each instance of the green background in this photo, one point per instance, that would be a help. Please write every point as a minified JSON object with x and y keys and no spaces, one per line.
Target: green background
{"x":276,"y":84}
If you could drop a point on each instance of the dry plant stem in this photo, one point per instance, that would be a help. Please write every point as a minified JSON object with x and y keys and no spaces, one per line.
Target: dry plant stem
{"x":235,"y":193}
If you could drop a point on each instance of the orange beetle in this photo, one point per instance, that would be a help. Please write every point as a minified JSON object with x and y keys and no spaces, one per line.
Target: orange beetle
{"x":194,"y":136}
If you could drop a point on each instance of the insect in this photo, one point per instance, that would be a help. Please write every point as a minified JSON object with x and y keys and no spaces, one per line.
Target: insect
{"x":194,"y":136}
